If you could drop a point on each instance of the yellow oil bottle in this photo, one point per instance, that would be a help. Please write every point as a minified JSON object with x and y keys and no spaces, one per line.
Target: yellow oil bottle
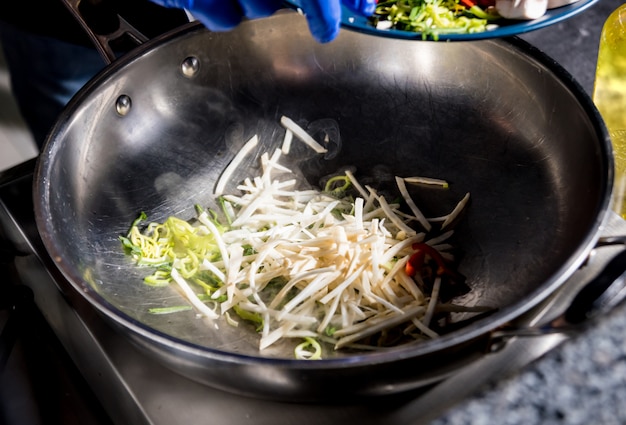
{"x":609,"y":95}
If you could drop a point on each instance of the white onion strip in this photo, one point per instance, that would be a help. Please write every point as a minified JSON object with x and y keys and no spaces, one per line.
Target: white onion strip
{"x":301,"y":134}
{"x":286,"y":146}
{"x":409,"y":201}
{"x":427,"y":181}
{"x":375,"y":325}
{"x":191,"y":296}
{"x":234,"y":164}
{"x":434,"y":299}
{"x":457,"y":210}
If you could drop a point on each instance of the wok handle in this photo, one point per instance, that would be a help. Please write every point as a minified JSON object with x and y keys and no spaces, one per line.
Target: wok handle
{"x":599,"y":296}
{"x":604,"y":292}
{"x":110,"y":29}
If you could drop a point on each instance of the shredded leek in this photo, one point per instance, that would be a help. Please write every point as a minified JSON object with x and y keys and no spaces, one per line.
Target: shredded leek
{"x":310,"y":349}
{"x":169,"y":310}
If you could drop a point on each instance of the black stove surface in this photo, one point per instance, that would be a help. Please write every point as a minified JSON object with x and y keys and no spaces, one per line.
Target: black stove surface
{"x":39,"y":382}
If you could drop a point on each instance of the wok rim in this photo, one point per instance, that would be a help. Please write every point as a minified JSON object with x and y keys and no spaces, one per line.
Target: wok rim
{"x":480,"y":329}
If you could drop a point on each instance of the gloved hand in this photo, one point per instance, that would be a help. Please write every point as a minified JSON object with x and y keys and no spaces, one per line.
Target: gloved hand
{"x":323,"y":16}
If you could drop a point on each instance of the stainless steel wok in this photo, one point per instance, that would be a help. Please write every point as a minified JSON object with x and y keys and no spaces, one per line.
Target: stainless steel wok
{"x":155,"y":129}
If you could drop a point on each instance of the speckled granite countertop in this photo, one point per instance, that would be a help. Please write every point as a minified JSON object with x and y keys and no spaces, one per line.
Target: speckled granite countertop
{"x":583,"y":380}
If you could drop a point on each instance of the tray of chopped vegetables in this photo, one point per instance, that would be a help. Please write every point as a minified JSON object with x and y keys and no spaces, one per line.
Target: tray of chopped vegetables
{"x":441,"y":20}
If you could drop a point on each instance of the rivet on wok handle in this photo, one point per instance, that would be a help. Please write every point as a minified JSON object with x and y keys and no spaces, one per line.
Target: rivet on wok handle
{"x":190,"y":66}
{"x":123,"y":104}
{"x":604,"y":292}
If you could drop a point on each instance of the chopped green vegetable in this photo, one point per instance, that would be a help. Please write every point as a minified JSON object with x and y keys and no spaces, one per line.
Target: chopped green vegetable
{"x":158,"y":278}
{"x":338,"y":186}
{"x":249,"y":316}
{"x":432,"y":18}
{"x":169,"y":310}
{"x":310,"y":349}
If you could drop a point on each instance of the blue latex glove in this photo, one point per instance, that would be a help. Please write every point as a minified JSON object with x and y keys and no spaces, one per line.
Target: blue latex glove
{"x":323,"y":16}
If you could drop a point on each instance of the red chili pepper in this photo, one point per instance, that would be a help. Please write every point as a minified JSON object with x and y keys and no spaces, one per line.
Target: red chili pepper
{"x":467,"y":3}
{"x":416,"y":260}
{"x":480,"y":3}
{"x":455,"y":282}
{"x":476,"y":8}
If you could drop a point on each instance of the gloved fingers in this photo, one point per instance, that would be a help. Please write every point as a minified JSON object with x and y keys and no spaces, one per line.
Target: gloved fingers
{"x":362,"y":7}
{"x":259,"y":8}
{"x":216,"y":15}
{"x":323,"y":17}
{"x":223,"y":15}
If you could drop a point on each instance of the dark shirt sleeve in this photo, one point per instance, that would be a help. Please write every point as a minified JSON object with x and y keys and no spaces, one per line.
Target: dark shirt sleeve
{"x":52,"y":19}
